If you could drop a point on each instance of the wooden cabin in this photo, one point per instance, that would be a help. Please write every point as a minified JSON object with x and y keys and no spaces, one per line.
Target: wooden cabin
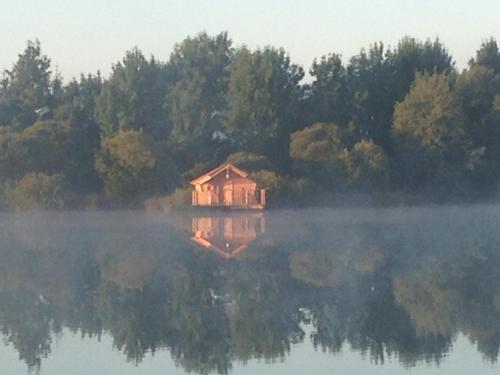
{"x":227,"y":186}
{"x":228,"y":236}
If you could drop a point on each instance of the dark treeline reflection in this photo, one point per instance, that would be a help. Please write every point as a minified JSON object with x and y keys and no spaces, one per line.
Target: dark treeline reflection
{"x":383,"y":283}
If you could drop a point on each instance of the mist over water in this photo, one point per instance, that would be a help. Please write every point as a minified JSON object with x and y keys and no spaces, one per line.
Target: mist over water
{"x":319,"y":290}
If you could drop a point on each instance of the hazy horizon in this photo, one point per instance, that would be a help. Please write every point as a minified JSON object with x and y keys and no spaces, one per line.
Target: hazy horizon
{"x":85,"y":37}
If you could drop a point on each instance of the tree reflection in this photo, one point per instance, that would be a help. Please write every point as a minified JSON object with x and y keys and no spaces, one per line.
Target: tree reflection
{"x":25,"y":322}
{"x":400,"y":288}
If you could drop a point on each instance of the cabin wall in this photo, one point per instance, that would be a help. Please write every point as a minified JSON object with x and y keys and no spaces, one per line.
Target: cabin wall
{"x":222,"y":191}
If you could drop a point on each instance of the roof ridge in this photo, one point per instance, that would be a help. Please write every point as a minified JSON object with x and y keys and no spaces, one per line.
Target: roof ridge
{"x":214,"y":172}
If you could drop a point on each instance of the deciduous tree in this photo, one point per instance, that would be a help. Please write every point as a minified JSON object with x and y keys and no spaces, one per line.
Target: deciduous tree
{"x":133,"y":165}
{"x":429,"y":132}
{"x":263,"y":94}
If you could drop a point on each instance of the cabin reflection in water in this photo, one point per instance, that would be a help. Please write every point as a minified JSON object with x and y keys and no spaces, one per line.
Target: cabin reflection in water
{"x":228,"y":235}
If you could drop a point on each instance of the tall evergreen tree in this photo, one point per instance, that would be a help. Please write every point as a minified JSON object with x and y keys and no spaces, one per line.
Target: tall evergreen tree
{"x":28,"y":89}
{"x":488,"y":55}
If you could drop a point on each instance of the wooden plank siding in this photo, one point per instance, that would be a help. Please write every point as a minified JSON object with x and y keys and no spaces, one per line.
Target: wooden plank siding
{"x":227,"y":186}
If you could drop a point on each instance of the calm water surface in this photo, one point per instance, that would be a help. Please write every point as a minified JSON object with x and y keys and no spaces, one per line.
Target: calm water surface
{"x":399,"y":291}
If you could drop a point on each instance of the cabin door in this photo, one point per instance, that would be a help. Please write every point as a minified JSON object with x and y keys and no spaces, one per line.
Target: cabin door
{"x":228,"y":195}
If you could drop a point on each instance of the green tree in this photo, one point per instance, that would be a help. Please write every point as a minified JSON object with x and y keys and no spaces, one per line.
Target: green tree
{"x":412,"y":56}
{"x":368,"y":82}
{"x":47,"y":147}
{"x":36,"y":191}
{"x":249,"y":162}
{"x":78,"y":110}
{"x":476,"y":90}
{"x":429,"y":132}
{"x":133,"y":165}
{"x":278,"y":188}
{"x":26,"y":325}
{"x":133,"y":96}
{"x":197,"y":99}
{"x":317,"y":151}
{"x":329,"y":99}
{"x":12,"y":154}
{"x":488,"y":55}
{"x":366,"y":165}
{"x":380,"y":77}
{"x":42,"y":147}
{"x":264,"y":92}
{"x":27,"y":88}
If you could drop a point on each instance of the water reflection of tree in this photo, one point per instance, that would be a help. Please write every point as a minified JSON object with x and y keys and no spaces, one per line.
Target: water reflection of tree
{"x":25,"y":322}
{"x":385,"y":289}
{"x":447,"y":298}
{"x":264,"y":309}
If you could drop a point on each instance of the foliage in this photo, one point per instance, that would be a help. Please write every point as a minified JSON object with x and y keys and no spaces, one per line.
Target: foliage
{"x":366,"y":165}
{"x":399,"y":120}
{"x":320,"y":142}
{"x":249,"y":162}
{"x":132,"y":97}
{"x":476,"y":90}
{"x":132,"y":164}
{"x":329,"y":95}
{"x":488,"y":55}
{"x":41,"y":147}
{"x":12,"y":155}
{"x":429,"y":133}
{"x":27,"y":87}
{"x":317,"y":152}
{"x":380,"y":77}
{"x":197,"y":98}
{"x":36,"y":191}
{"x":278,"y":188}
{"x":263,"y":94}
{"x":197,"y":170}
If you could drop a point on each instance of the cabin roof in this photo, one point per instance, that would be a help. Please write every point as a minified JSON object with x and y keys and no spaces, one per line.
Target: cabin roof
{"x":216,"y":171}
{"x":231,"y":252}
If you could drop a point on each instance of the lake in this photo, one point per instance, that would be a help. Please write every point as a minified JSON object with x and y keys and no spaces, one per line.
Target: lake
{"x":317,"y":291}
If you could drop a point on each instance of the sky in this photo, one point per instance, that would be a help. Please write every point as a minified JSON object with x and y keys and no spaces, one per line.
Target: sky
{"x":89,"y":35}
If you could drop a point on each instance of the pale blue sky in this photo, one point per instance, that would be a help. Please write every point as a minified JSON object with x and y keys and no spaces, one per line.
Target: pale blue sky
{"x":89,"y":35}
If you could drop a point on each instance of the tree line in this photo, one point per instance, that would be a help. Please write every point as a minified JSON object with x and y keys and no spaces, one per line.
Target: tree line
{"x":393,"y":122}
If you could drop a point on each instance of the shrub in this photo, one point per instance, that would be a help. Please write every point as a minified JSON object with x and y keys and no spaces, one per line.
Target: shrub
{"x":316,"y":152}
{"x":36,"y":191}
{"x":366,"y":165}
